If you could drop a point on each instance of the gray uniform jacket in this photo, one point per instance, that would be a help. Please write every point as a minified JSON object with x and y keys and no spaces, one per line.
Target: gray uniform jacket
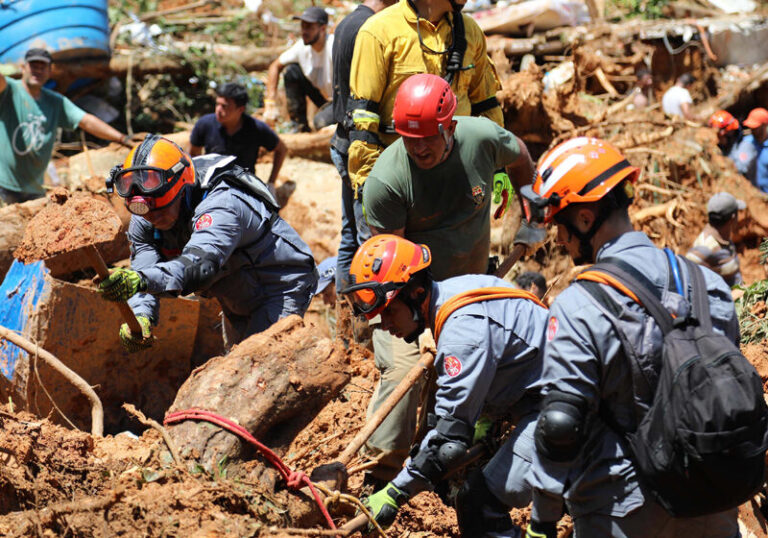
{"x":489,"y":357}
{"x":584,"y":357}
{"x":265,"y":270}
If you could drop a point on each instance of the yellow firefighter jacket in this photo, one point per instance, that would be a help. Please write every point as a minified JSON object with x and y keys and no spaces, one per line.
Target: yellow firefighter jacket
{"x":387,"y":51}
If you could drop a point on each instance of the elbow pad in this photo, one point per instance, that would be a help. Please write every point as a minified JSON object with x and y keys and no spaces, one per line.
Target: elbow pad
{"x":199,"y":268}
{"x":445,"y":450}
{"x":561,"y":426}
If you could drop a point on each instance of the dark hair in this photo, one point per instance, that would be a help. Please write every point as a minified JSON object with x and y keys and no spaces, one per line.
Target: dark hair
{"x":234,"y":91}
{"x":686,"y":79}
{"x":642,"y":72}
{"x":524,"y":280}
{"x":718,"y":219}
{"x":419,"y":279}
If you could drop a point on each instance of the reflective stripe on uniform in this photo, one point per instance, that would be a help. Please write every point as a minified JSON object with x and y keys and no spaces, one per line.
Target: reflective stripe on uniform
{"x":364,"y":117}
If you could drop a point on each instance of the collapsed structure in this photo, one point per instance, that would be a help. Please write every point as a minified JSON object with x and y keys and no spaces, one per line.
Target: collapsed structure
{"x":133,"y":485}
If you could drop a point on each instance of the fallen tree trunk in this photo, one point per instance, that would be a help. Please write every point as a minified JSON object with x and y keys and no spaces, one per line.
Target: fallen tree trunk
{"x":146,"y":62}
{"x":272,"y":384}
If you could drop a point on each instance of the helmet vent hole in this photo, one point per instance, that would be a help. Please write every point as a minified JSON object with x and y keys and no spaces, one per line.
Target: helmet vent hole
{"x":376,"y":266}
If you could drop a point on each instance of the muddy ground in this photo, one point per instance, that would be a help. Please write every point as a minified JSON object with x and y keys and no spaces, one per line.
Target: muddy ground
{"x":59,"y":482}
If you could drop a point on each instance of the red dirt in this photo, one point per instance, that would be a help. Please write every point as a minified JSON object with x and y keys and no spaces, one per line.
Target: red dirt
{"x":70,"y":222}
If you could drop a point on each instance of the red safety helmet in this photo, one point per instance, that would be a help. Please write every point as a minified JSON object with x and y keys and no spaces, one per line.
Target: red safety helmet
{"x":153,"y":175}
{"x":381,"y":267}
{"x":424,"y":106}
{"x":724,"y":121}
{"x":576,"y":171}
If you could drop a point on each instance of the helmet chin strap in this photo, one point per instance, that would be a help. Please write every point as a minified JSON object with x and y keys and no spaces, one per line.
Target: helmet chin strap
{"x":447,"y":140}
{"x":586,"y":251}
{"x":415,"y":306}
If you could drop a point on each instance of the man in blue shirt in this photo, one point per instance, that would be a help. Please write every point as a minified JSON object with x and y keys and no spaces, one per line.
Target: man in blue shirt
{"x":29,"y":117}
{"x":230,"y":131}
{"x":750,"y":155}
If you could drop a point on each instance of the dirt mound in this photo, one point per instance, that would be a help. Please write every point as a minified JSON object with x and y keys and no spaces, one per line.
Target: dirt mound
{"x":66,"y":224}
{"x":59,"y":482}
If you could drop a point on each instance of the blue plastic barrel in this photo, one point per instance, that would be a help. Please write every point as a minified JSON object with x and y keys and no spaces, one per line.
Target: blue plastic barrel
{"x":67,"y":28}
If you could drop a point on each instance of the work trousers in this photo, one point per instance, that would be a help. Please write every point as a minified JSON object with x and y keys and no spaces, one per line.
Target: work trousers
{"x":391,"y":441}
{"x":237,"y":328}
{"x":354,"y":230}
{"x":505,"y":477}
{"x":297,"y":88}
{"x":652,"y":520}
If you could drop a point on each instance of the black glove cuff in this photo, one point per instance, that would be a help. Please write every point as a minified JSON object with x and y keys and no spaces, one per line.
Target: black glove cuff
{"x":547,"y":528}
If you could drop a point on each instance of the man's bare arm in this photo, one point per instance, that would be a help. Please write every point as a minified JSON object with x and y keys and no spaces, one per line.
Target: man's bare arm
{"x":521,"y":171}
{"x":281,"y":150}
{"x":3,"y":83}
{"x":93,"y":125}
{"x":273,"y":77}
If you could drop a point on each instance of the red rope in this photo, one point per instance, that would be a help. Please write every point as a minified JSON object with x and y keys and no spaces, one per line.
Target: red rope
{"x":292,"y":478}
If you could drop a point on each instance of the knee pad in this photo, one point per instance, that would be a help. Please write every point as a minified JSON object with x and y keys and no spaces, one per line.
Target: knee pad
{"x":478,"y":510}
{"x":560,"y":428}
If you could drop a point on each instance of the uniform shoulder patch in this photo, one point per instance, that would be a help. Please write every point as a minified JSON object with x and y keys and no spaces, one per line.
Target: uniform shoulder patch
{"x":551,"y":328}
{"x":203,"y":221}
{"x":452,"y":366}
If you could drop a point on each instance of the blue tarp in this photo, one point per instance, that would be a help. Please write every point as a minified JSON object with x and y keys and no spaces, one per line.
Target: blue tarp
{"x":19,"y":294}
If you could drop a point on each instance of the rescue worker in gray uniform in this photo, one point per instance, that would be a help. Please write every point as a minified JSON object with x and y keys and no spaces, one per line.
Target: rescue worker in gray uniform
{"x":581,"y":460}
{"x":207,"y":226}
{"x":489,"y":353}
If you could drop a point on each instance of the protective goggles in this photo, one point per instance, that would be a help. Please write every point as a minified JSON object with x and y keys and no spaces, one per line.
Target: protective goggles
{"x":538,"y":210}
{"x":144,"y":180}
{"x":369,"y":298}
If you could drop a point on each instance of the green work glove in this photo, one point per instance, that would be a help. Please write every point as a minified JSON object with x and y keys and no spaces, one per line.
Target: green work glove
{"x":537,"y":529}
{"x":135,"y":342}
{"x":482,"y":428}
{"x":503,"y":192}
{"x":121,"y":285}
{"x":384,"y":504}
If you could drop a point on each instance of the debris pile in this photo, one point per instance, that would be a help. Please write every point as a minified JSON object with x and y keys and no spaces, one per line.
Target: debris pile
{"x":558,"y":83}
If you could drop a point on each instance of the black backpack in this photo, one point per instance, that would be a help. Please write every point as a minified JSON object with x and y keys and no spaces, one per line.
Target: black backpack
{"x":700,"y":448}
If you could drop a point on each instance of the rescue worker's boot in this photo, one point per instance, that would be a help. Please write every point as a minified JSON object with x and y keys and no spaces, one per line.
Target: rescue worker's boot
{"x":480,"y":513}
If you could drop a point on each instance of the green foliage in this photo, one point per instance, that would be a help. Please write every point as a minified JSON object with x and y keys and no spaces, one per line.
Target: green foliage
{"x":763,"y":250}
{"x":753,"y":328}
{"x":647,"y":9}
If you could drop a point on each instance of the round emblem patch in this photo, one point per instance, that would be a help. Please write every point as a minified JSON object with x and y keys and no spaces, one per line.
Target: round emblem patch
{"x":203,"y":222}
{"x":452,"y":366}
{"x":551,"y":328}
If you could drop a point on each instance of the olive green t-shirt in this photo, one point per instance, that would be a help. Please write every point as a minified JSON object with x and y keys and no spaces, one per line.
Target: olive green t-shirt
{"x":446,"y":207}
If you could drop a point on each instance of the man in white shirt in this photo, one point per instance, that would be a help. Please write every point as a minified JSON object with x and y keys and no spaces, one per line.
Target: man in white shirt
{"x":308,"y":69}
{"x":677,"y":100}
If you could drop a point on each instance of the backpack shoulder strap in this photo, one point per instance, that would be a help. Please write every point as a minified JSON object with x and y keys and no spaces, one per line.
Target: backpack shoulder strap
{"x":699,"y":296}
{"x":477,"y":295}
{"x":629,"y":281}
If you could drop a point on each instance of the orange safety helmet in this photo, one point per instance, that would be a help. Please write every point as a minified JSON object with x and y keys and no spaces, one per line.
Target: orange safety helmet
{"x":153,"y":175}
{"x":723,"y":121}
{"x":424,"y":106}
{"x":576,"y":171}
{"x":381,"y":267}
